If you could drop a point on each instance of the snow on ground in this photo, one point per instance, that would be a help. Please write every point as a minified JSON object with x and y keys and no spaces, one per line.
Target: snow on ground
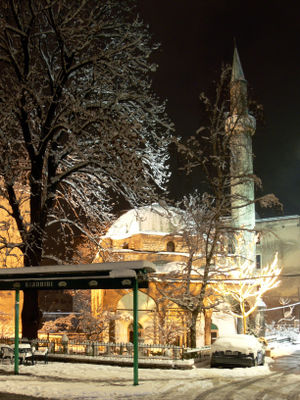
{"x":283,"y":349}
{"x":87,"y":381}
{"x":70,"y":381}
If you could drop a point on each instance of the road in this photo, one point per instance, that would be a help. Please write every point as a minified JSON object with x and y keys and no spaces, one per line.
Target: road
{"x":282,"y":384}
{"x":13,"y":396}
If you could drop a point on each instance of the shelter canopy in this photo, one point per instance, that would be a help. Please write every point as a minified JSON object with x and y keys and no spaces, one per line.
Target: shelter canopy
{"x":111,"y":275}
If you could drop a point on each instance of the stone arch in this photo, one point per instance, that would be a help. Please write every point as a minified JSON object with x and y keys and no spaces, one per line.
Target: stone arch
{"x":112,"y":298}
{"x":146,"y":305}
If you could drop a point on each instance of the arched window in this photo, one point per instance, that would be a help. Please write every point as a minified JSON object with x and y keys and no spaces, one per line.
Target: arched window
{"x":170,"y":247}
{"x":125,"y":245}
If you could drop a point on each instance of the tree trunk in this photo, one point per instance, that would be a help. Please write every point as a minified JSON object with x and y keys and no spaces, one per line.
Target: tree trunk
{"x":31,"y":316}
{"x":193,"y":329}
{"x":244,"y":317}
{"x":112,"y":331}
{"x":207,"y":329}
{"x":244,"y":324}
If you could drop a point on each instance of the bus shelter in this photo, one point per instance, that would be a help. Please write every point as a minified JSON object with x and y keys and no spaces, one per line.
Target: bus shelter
{"x":113,"y":275}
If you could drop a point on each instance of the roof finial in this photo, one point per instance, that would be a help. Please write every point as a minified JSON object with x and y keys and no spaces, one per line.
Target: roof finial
{"x":237,"y":73}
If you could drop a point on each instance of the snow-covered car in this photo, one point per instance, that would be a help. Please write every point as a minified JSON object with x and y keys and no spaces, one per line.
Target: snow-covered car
{"x":237,"y":350}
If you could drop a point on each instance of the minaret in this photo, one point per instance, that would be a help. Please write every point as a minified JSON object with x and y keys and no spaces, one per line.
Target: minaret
{"x":241,"y":126}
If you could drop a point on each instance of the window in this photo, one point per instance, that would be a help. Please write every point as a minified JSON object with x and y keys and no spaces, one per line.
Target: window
{"x":258,"y":237}
{"x":170,"y":247}
{"x":258,"y":261}
{"x":231,"y":248}
{"x":214,"y":332}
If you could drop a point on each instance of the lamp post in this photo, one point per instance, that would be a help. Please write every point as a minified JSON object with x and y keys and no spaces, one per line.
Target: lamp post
{"x":17,"y":306}
{"x":260,"y":321}
{"x":135,"y":334}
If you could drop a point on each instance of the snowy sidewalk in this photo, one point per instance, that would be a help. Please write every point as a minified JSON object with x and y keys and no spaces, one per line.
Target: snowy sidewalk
{"x":68,"y":381}
{"x":85,"y":381}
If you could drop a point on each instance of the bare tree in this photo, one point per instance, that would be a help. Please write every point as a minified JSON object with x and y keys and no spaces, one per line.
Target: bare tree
{"x":5,"y":326}
{"x":80,"y":125}
{"x":66,"y":323}
{"x":94,"y":324}
{"x":167,"y":324}
{"x":206,"y":242}
{"x":247,"y":285}
{"x":92,"y":327}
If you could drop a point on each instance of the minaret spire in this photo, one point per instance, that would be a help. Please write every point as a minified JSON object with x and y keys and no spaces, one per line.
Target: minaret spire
{"x":237,"y":73}
{"x":238,"y":87}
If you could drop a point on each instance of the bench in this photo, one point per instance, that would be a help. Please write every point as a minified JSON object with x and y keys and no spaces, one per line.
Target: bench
{"x":29,"y":354}
{"x":41,"y":354}
{"x":25,"y":353}
{"x":6,"y":352}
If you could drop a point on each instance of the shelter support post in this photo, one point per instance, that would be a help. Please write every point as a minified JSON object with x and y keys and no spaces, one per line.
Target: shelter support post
{"x":135,"y":334}
{"x":17,"y":312}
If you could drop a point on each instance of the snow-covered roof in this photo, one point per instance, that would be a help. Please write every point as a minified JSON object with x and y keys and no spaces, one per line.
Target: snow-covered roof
{"x":154,"y":219}
{"x":174,"y":266}
{"x":275,"y":219}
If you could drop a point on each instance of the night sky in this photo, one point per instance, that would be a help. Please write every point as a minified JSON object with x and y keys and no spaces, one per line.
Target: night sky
{"x":196,"y":37}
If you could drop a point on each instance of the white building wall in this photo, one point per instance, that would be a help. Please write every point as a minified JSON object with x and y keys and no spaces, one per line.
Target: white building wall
{"x":226,"y":323}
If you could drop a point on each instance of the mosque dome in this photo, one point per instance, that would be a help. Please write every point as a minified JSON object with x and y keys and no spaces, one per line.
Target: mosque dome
{"x":153,"y":219}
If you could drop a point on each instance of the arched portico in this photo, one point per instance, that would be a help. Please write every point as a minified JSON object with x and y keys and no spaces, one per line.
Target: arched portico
{"x":125,"y":309}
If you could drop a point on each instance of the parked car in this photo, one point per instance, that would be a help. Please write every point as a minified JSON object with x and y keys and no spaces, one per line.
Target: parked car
{"x":237,"y":350}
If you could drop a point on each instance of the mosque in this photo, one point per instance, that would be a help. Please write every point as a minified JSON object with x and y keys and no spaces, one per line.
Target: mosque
{"x":148,"y":234}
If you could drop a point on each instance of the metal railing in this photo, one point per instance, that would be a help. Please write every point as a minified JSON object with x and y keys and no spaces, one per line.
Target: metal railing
{"x":104,"y":349}
{"x":63,"y":345}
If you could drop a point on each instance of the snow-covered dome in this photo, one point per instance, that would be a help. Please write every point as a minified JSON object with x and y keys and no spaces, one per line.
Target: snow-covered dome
{"x":154,"y":219}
